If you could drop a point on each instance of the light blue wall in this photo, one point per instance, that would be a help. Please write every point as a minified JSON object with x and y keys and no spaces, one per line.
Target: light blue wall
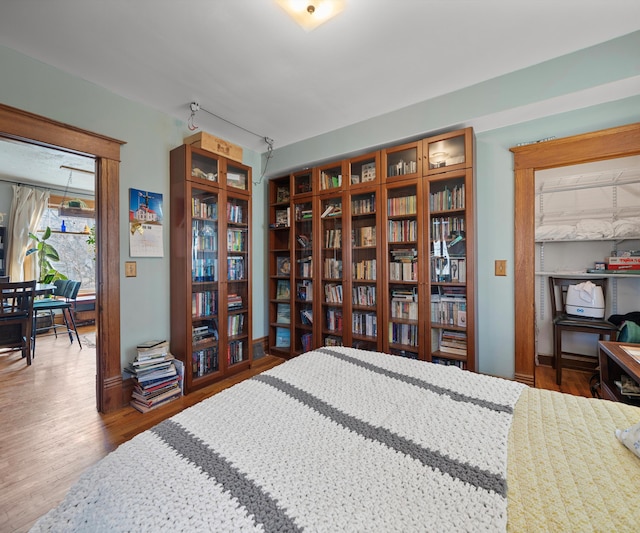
{"x":40,"y":89}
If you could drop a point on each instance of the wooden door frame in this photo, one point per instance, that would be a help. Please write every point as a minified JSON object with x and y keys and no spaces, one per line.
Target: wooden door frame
{"x":34,"y":129}
{"x":621,"y":141}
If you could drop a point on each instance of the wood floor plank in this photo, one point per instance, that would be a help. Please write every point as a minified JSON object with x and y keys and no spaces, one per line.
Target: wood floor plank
{"x":51,"y":431}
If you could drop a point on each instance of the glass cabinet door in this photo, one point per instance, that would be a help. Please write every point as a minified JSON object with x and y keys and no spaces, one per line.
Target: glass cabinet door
{"x":280,"y":271}
{"x":402,"y":162}
{"x":237,"y":176}
{"x":331,"y":245}
{"x":204,"y":167}
{"x":204,"y":284}
{"x":447,"y":152}
{"x":448,"y":269}
{"x":403,"y":255}
{"x":238,"y":297}
{"x":303,"y":271}
{"x":365,"y":237}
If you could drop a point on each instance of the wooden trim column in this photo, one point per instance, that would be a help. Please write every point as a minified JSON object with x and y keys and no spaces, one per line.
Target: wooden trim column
{"x":621,"y":141}
{"x":34,"y":129}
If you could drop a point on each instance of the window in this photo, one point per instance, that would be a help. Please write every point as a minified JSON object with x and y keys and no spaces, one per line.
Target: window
{"x":77,"y":256}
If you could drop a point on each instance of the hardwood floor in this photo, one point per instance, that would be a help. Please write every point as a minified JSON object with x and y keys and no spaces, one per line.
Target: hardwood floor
{"x":51,"y":431}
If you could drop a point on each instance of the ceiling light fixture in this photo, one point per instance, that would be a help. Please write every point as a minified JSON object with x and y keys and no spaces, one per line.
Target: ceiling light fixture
{"x":311,"y":13}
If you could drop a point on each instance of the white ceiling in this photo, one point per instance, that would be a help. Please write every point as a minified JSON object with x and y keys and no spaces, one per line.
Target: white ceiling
{"x":247,"y":62}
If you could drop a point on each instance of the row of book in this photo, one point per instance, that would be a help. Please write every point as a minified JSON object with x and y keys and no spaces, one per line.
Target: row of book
{"x":328,"y":181}
{"x":205,"y":333}
{"x":332,"y":268}
{"x":363,"y":206}
{"x":448,"y":199}
{"x":235,"y":213}
{"x":401,"y":168}
{"x":442,"y":228}
{"x":364,"y":324}
{"x":235,"y":267}
{"x":364,"y":270}
{"x":365,"y":236}
{"x":204,"y":269}
{"x":208,"y":210}
{"x":363,"y":295}
{"x":454,"y":342}
{"x":205,"y":237}
{"x":235,"y":324}
{"x":403,"y":230}
{"x":334,"y":320}
{"x":235,"y":352}
{"x":406,"y":334}
{"x":450,"y":310}
{"x":333,"y":238}
{"x":333,"y":293}
{"x":403,"y":205}
{"x":157,"y":376}
{"x":204,"y":304}
{"x":204,"y":361}
{"x":403,"y":271}
{"x":237,"y":240}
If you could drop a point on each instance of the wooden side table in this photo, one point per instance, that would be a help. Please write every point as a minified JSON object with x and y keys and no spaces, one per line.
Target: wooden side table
{"x":614,"y":362}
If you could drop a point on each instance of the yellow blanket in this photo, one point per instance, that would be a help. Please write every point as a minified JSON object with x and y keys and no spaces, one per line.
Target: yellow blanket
{"x":567,"y":471}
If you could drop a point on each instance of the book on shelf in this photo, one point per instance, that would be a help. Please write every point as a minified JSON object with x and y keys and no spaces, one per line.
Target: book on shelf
{"x":623,"y":260}
{"x":306,"y":317}
{"x":234,"y":301}
{"x":628,"y":387}
{"x":283,"y":338}
{"x":283,"y":218}
{"x":623,"y":266}
{"x":283,"y":289}
{"x":303,"y":240}
{"x":368,"y":172}
{"x":283,"y":314}
{"x":282,"y":194}
{"x":306,"y":341}
{"x":305,"y":290}
{"x":283,"y":265}
{"x":332,"y":210}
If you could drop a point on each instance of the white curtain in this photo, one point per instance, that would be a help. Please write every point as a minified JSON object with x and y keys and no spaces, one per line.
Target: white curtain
{"x":26,"y":211}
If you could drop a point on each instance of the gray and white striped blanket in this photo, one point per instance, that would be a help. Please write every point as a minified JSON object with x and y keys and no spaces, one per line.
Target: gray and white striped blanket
{"x":337,"y":439}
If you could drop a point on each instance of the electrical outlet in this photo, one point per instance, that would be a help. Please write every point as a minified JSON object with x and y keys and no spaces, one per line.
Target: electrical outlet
{"x":130,"y":269}
{"x":501,"y":267}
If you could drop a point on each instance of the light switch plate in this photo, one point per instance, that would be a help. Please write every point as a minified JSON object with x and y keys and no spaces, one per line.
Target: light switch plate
{"x":130,"y":269}
{"x":501,"y":267}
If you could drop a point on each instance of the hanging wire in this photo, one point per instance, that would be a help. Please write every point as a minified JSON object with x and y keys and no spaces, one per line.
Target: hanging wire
{"x":191,"y":124}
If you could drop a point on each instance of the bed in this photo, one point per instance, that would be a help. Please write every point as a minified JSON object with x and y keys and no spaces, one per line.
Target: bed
{"x":340,"y":439}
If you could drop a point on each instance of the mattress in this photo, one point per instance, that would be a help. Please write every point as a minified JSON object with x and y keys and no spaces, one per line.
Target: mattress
{"x":340,"y":439}
{"x":566,"y":470}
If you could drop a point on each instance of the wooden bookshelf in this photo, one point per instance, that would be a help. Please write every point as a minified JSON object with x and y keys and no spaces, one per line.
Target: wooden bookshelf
{"x":210,"y":266}
{"x":368,"y":238}
{"x":280,"y":267}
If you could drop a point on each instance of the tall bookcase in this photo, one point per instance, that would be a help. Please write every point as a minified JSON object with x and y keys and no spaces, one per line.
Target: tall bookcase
{"x":381,"y":249}
{"x":280,"y":267}
{"x":450,"y":224}
{"x":210,"y":265}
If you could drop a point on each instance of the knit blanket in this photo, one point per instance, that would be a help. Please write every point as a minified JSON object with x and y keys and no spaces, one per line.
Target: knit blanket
{"x":336,"y":439}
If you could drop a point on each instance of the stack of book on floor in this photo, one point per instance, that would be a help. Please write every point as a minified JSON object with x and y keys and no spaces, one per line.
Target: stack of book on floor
{"x":157,"y":376}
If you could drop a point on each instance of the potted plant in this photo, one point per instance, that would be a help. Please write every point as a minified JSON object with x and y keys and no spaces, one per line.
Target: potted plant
{"x":45,"y":254}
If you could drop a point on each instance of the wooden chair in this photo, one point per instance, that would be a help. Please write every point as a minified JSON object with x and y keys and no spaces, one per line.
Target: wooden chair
{"x":64,"y":301}
{"x":565,"y":322}
{"x":16,"y":316}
